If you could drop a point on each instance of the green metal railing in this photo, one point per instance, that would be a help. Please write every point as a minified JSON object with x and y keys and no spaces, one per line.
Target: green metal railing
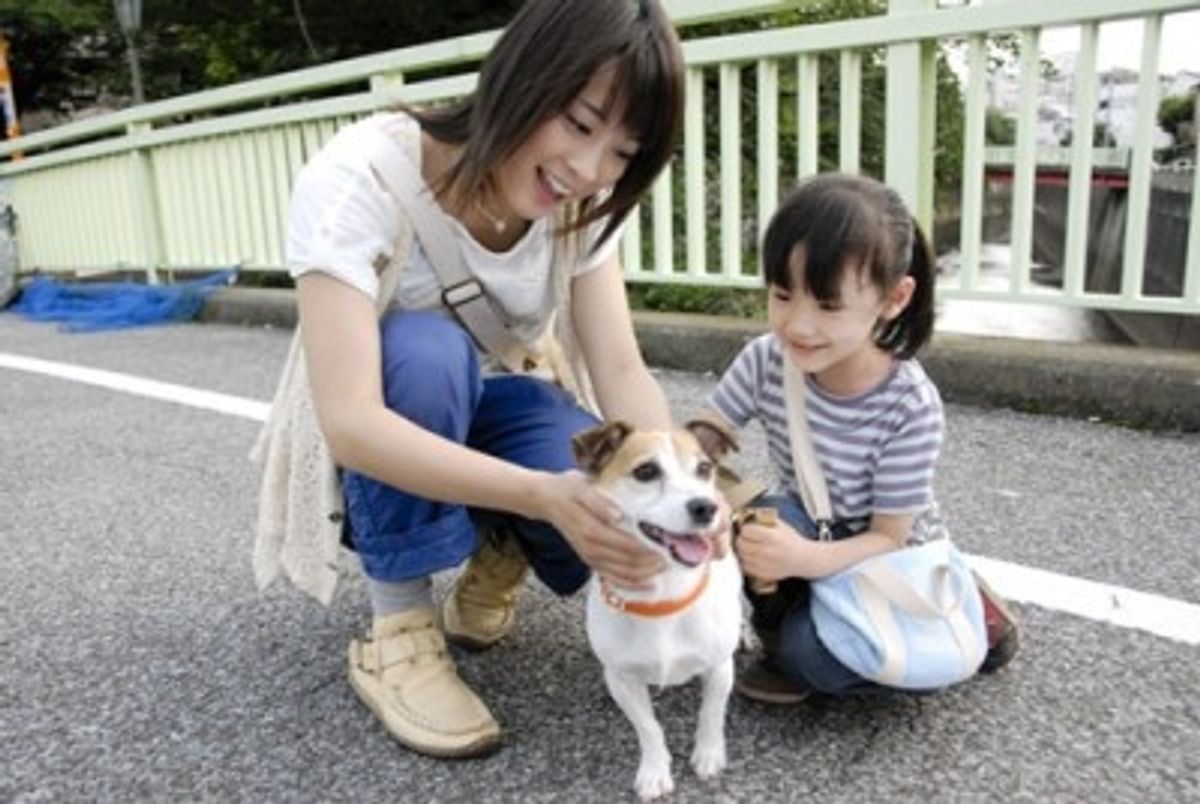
{"x":138,"y":190}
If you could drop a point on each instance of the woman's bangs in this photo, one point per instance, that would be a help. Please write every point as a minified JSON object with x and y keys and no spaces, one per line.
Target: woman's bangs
{"x":642,"y":89}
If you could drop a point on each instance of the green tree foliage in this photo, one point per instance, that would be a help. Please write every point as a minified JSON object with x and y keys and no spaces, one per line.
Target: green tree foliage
{"x":59,"y":49}
{"x":1174,"y":112}
{"x":197,"y":45}
{"x":69,"y":53}
{"x":999,"y":128}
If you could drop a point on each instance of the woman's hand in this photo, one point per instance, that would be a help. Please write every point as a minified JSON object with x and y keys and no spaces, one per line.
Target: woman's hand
{"x":590,"y":522}
{"x":773,"y":552}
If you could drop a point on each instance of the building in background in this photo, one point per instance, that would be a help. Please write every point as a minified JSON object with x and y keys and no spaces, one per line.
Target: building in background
{"x":1116,"y":99}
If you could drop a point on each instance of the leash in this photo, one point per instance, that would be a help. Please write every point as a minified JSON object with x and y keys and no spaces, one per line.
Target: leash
{"x":767,"y":517}
{"x":654,"y":608}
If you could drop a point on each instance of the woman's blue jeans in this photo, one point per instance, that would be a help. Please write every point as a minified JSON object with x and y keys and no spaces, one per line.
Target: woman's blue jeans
{"x":431,"y":376}
{"x":798,"y":652}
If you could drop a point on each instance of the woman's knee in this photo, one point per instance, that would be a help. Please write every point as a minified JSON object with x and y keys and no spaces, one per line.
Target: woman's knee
{"x":430,"y":369}
{"x":554,"y":562}
{"x":528,"y":422}
{"x":557,"y":453}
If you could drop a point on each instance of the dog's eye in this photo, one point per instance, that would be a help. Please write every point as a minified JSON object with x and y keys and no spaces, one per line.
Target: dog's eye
{"x":704,"y":470}
{"x":647,"y":471}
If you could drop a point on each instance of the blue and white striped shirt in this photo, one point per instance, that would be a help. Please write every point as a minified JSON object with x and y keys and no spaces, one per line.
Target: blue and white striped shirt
{"x":878,"y":449}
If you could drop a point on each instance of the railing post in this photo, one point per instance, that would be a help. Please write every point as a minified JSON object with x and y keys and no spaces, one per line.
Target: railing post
{"x":145,"y":203}
{"x":384,"y":83}
{"x":911,"y":117}
{"x":730,"y":93}
{"x":693,"y":172}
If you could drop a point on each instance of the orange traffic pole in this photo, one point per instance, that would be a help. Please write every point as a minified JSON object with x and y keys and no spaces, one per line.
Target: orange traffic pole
{"x":8,"y":99}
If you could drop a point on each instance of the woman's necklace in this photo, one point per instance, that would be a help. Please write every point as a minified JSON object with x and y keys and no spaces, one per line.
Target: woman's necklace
{"x":498,"y":223}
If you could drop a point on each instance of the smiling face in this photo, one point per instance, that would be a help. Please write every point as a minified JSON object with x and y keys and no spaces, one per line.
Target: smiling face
{"x":834,"y":339}
{"x":573,"y":155}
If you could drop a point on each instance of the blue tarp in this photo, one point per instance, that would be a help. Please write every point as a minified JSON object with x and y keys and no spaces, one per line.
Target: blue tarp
{"x":91,"y":306}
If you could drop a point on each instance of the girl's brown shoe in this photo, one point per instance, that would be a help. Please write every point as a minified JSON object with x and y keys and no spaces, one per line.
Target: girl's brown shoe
{"x":763,"y":683}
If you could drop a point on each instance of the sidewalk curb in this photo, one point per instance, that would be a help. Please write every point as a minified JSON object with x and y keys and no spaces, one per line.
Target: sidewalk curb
{"x":1130,"y":385}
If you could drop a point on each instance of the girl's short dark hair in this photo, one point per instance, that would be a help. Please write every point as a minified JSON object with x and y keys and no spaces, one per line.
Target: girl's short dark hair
{"x":842,"y":222}
{"x":542,"y":61}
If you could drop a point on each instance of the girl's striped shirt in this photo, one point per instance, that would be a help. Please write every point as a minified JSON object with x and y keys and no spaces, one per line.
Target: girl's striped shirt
{"x":878,"y":449}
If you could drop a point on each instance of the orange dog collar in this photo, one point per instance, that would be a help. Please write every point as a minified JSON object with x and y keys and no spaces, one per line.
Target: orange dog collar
{"x":653,"y":608}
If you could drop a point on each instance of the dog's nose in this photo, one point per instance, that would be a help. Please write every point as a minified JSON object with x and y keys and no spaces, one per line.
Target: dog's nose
{"x":701,"y":510}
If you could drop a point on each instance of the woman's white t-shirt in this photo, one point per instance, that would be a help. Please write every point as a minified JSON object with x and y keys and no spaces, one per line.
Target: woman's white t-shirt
{"x":343,"y":222}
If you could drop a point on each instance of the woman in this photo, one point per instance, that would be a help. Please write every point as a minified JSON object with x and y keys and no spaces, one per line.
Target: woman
{"x":531,"y":176}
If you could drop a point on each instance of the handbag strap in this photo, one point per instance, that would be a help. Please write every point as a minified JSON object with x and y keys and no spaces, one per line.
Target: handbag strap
{"x":462,"y":294}
{"x":809,"y":478}
{"x":945,"y":593}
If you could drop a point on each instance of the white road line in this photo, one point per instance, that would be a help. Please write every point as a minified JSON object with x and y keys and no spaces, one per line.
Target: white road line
{"x":1144,"y":611}
{"x":1166,"y":617}
{"x":168,"y":392}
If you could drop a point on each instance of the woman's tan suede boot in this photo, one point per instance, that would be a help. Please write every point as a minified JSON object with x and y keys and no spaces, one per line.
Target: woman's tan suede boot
{"x":404,"y":674}
{"x":481,"y":607}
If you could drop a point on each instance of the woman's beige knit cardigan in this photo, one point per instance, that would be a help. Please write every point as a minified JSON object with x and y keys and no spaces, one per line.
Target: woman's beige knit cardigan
{"x":300,"y":508}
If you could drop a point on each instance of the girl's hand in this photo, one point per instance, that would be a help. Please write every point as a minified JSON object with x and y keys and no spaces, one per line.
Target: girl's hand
{"x":773,"y":552}
{"x":590,"y":523}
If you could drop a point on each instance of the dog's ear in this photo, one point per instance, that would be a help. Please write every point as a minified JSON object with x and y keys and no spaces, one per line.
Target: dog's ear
{"x":594,"y":448}
{"x":715,"y":438}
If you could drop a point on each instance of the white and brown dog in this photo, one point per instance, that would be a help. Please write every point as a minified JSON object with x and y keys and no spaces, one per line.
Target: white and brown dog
{"x":688,"y":622}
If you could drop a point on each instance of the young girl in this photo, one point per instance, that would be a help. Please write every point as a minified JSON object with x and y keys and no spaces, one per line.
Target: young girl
{"x":575,"y":112}
{"x":850,"y":281}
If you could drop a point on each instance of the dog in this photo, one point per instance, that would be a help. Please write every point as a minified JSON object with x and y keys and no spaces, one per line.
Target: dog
{"x":689,"y":622}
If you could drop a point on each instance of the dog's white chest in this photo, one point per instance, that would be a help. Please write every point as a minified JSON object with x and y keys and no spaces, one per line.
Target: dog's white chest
{"x":674,"y":648}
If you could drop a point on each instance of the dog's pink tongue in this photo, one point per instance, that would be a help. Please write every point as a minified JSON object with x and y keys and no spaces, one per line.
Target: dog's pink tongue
{"x":691,"y":549}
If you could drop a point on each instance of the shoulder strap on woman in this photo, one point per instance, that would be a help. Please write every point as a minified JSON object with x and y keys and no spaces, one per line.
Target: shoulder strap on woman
{"x":461,"y":292}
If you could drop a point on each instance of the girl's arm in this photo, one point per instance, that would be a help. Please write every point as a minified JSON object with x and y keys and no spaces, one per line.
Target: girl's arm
{"x":777,"y":552}
{"x":341,"y":342}
{"x":624,"y":387}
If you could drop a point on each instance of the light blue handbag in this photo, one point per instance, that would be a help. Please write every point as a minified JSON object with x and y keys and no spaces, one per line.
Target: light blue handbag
{"x":910,"y":618}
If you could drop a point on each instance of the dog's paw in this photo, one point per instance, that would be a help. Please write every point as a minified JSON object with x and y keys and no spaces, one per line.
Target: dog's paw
{"x":708,"y":760}
{"x":653,"y":781}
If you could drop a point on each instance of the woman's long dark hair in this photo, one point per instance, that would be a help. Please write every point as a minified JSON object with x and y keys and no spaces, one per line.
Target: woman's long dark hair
{"x":540,"y":64}
{"x":844,"y":222}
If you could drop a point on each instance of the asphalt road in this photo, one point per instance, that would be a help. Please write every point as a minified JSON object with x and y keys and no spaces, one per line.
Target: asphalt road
{"x":139,"y":662}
